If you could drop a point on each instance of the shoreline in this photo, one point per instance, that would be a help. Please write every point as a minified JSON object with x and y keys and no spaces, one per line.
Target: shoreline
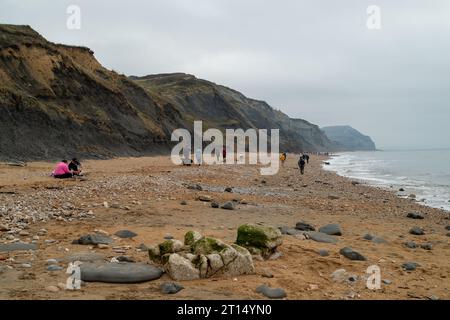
{"x":148,"y":192}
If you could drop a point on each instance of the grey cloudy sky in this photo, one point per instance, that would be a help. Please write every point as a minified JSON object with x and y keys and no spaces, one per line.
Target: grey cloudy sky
{"x":315,"y":60}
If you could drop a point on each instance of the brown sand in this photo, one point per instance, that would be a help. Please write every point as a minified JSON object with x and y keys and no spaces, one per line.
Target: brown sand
{"x":152,"y":189}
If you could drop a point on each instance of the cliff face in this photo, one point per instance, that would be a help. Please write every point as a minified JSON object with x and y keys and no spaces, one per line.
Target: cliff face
{"x":347,"y":138}
{"x":58,"y":101}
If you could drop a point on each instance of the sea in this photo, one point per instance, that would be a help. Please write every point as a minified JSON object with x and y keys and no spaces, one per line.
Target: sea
{"x":424,"y":173}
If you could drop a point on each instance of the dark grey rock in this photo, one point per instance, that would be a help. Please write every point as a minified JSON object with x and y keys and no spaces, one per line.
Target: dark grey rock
{"x":195,"y":187}
{"x":142,"y":247}
{"x":16,"y":246}
{"x":427,"y":246}
{"x":183,"y":203}
{"x":321,"y":237}
{"x":387,"y":281}
{"x":125,"y":259}
{"x":415,"y":215}
{"x":230,"y":205}
{"x":331,"y":229}
{"x":417,"y":231}
{"x":410,"y":245}
{"x":119,"y":272}
{"x":271,"y":293}
{"x":401,"y":190}
{"x":290,"y":231}
{"x":447,"y":227}
{"x":170,"y":288}
{"x":410,"y":266}
{"x":168,"y":237}
{"x":215,"y":205}
{"x":368,"y":236}
{"x":54,"y":268}
{"x":228,"y":189}
{"x":126,"y":234}
{"x":93,"y":239}
{"x":349,"y":253}
{"x":324,"y":253}
{"x":303,"y":226}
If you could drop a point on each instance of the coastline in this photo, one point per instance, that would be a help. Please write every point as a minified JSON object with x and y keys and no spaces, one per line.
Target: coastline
{"x":148,"y":192}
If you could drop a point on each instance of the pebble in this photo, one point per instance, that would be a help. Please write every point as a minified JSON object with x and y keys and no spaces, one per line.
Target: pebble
{"x":102,"y":246}
{"x":215,"y":204}
{"x":271,"y":293}
{"x":183,"y":203}
{"x":417,"y":231}
{"x":126,"y":234}
{"x":168,"y":237}
{"x":24,"y":233}
{"x":321,"y":237}
{"x":415,"y":215}
{"x":324,"y":253}
{"x":230,"y":205}
{"x":410,"y":266}
{"x":349,"y":253}
{"x":331,"y":229}
{"x":25,"y":265}
{"x":410,"y":245}
{"x":170,"y":288}
{"x":125,"y":259}
{"x":387,"y":281}
{"x":303,"y":226}
{"x":228,"y":189}
{"x":204,"y":198}
{"x":3,"y":227}
{"x":51,"y":261}
{"x":427,"y":246}
{"x":54,"y":268}
{"x":52,"y":289}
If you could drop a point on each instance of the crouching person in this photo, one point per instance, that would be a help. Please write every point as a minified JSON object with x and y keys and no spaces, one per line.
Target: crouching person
{"x":62,"y":171}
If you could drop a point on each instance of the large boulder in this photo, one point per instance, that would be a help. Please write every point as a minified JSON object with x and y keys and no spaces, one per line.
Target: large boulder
{"x":180,"y":268}
{"x":259,"y":239}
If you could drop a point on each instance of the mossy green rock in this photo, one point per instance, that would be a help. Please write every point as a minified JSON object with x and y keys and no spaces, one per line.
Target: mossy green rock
{"x":191,"y":237}
{"x":207,"y":246}
{"x":154,"y":254}
{"x":259,"y":237}
{"x":170,"y":246}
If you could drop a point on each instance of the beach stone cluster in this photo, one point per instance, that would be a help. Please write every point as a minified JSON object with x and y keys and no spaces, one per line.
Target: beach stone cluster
{"x":201,"y":257}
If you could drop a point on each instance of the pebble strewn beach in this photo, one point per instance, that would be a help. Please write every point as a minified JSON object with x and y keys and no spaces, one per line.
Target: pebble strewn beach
{"x":355,"y":226}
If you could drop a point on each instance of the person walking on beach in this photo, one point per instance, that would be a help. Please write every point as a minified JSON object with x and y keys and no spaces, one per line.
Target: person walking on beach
{"x":301,"y":165}
{"x":283,"y":158}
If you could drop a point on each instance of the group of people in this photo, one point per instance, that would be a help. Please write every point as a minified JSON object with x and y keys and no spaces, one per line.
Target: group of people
{"x":304,"y":159}
{"x":64,"y":169}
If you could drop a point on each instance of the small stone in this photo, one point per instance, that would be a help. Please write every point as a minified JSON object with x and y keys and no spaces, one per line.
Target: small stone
{"x":125,"y":234}
{"x":349,"y":253}
{"x":267,"y":274}
{"x":215,"y":204}
{"x":271,"y":293}
{"x":36,"y":238}
{"x":401,"y":190}
{"x":415,"y":215}
{"x":168,"y":237}
{"x":386,"y":281}
{"x":410,"y":245}
{"x":170,"y":288}
{"x":323,"y":253}
{"x":410,"y":266}
{"x":183,"y":203}
{"x":313,"y":287}
{"x":102,"y":246}
{"x":204,"y":198}
{"x":303,"y":226}
{"x":105,"y":204}
{"x":417,"y":231}
{"x":125,"y":259}
{"x":3,"y":228}
{"x":427,"y":246}
{"x":25,"y":265}
{"x":228,"y":189}
{"x":447,"y":227}
{"x":331,"y":229}
{"x":52,"y":289}
{"x":54,"y":268}
{"x":434,"y":298}
{"x":24,"y":233}
{"x":321,"y":237}
{"x":51,"y":261}
{"x":230,"y":205}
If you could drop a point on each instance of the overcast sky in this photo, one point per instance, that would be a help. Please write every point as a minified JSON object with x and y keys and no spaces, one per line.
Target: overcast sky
{"x":315,"y":60}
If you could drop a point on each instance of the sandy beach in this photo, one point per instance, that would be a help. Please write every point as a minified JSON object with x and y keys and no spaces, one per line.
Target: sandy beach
{"x":144,"y":195}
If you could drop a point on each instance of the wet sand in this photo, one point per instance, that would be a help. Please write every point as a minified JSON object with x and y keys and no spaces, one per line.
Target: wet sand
{"x":144,"y":195}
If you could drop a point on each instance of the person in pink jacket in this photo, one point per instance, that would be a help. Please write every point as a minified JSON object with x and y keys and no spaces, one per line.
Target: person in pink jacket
{"x":62,"y":170}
